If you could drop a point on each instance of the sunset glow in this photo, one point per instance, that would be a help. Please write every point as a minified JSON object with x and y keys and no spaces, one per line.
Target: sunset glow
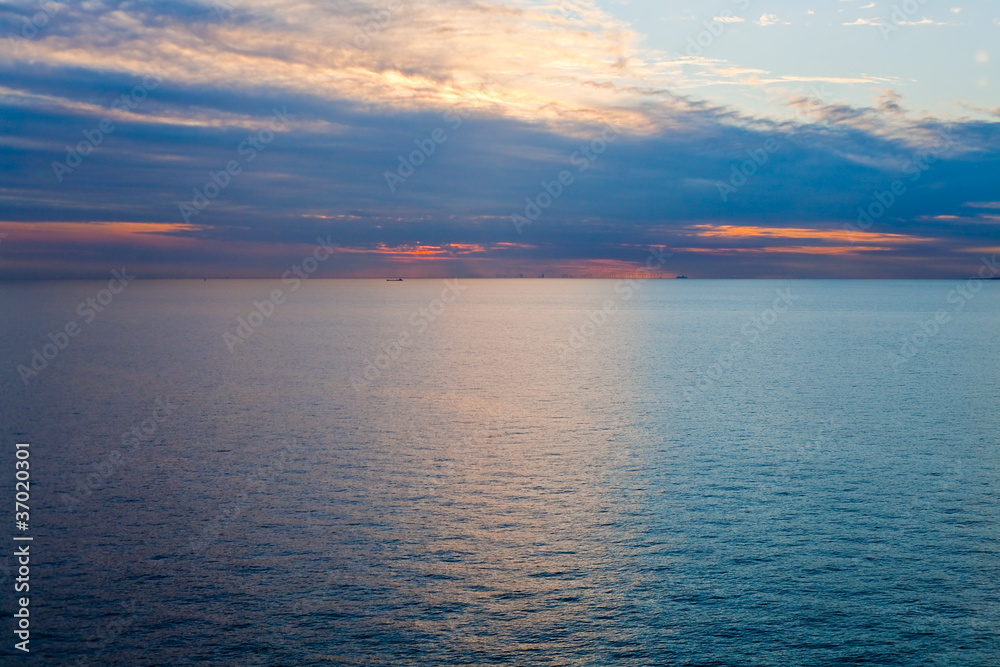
{"x":224,"y":139}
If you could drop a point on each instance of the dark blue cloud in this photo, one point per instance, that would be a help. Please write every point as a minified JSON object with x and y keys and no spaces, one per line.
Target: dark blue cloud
{"x":326,"y":175}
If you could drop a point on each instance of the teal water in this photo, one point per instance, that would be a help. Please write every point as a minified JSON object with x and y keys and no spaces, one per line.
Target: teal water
{"x":510,"y":472}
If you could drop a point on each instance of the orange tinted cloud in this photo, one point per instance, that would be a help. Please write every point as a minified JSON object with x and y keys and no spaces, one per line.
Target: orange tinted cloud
{"x":93,"y":232}
{"x":585,"y":65}
{"x":463,"y":248}
{"x":422,"y":251}
{"x":736,"y":231}
{"x":792,"y":249}
{"x":522,"y":246}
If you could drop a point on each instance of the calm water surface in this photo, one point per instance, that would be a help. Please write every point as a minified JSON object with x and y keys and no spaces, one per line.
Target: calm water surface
{"x":539,"y":472}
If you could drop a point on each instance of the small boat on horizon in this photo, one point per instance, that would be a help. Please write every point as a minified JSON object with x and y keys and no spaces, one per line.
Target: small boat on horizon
{"x":682,"y":278}
{"x":394,"y":280}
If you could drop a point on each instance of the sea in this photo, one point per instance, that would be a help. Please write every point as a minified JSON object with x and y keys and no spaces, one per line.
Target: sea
{"x":503,"y":472}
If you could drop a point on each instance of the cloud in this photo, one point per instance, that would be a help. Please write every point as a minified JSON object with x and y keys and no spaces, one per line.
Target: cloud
{"x":799,"y":233}
{"x":791,"y":249}
{"x":925,"y":21}
{"x":531,"y":63}
{"x":533,"y":86}
{"x":862,"y":21}
{"x":770,"y":19}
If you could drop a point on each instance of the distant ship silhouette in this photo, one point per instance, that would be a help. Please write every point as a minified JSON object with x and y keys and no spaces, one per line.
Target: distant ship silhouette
{"x":394,"y":280}
{"x":681,"y":278}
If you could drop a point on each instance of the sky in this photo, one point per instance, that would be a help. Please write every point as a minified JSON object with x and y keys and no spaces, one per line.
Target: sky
{"x":499,"y":138}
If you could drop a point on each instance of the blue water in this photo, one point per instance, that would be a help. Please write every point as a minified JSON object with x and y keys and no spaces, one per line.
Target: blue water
{"x":670,"y":484}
